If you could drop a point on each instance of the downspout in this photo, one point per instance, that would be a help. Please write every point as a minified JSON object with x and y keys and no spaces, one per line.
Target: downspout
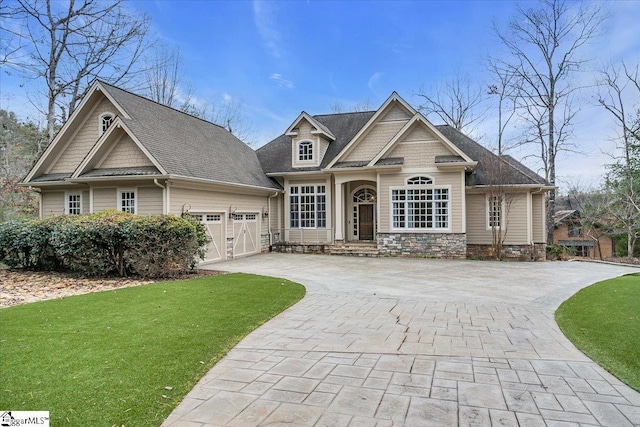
{"x":39,"y":192}
{"x":164,"y":195}
{"x":269,"y":220}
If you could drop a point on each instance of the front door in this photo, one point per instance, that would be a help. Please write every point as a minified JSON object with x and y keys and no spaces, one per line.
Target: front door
{"x":365,"y":222}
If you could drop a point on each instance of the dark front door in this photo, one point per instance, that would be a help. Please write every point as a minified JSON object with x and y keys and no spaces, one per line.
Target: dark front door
{"x":365,"y":221}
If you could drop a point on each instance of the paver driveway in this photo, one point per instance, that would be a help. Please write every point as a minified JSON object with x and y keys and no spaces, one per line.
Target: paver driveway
{"x":393,"y":341}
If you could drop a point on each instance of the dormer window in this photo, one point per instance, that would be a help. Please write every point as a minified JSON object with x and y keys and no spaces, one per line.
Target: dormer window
{"x":305,"y":151}
{"x":105,"y":122}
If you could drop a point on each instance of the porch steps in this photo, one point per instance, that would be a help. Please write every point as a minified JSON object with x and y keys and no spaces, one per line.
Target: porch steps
{"x":355,"y":249}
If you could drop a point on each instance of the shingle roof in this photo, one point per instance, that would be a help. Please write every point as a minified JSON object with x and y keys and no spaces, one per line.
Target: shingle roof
{"x":51,"y":177}
{"x":130,"y":171}
{"x":185,"y":145}
{"x":514,"y":172}
{"x":275,"y":156}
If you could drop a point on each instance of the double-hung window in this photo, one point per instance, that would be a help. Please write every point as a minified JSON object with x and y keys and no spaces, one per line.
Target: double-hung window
{"x":307,"y":206}
{"x":73,"y":203}
{"x":420,"y":206}
{"x":127,"y":201}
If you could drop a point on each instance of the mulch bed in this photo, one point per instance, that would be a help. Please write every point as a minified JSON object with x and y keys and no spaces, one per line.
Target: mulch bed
{"x":22,"y":287}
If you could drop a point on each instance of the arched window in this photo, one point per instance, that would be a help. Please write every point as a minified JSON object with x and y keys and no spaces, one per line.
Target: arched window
{"x":364,"y":195}
{"x":419,"y":180}
{"x":105,"y":121}
{"x":305,"y":151}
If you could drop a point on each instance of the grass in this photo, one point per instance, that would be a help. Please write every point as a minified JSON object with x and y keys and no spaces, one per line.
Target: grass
{"x":603,"y":321}
{"x":105,"y":358}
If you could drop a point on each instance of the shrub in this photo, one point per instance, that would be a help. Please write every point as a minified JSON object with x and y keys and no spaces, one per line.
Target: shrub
{"x":105,"y":243}
{"x":556,"y":252}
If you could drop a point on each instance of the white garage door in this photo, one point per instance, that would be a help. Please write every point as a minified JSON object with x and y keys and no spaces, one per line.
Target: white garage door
{"x":214,"y":223}
{"x":246,"y":234}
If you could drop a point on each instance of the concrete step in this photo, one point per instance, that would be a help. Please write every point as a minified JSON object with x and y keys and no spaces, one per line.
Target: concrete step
{"x":355,"y":250}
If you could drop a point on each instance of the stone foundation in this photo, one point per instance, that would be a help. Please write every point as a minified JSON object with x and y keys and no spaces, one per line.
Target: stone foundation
{"x":432,"y":245}
{"x":535,"y":252}
{"x":301,"y":248}
{"x":264,"y":243}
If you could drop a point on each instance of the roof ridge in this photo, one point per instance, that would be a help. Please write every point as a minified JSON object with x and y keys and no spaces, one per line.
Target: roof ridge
{"x":160,"y":104}
{"x":343,"y":114}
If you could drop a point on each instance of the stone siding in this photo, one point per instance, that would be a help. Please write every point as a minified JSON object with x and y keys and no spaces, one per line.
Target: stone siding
{"x":301,"y":248}
{"x":535,"y":252}
{"x":264,"y":243}
{"x":436,"y":245}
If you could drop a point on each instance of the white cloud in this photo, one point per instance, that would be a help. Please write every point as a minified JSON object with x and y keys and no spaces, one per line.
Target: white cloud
{"x":281,"y":81}
{"x":265,"y":20}
{"x":373,"y":80}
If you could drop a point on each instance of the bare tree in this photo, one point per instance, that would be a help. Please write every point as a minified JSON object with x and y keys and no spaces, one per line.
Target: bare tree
{"x":338,"y":107}
{"x":163,"y":75}
{"x":500,"y":199}
{"x":504,"y":88}
{"x":455,"y":102}
{"x":69,"y":44}
{"x":618,"y":86}
{"x":544,"y":45}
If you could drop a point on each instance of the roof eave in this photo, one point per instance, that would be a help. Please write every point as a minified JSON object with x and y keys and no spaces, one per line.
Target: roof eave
{"x":456,"y":166}
{"x":225,"y":183}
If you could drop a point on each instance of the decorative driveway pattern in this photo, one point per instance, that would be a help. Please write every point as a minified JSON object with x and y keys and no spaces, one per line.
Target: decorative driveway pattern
{"x":413,"y":342}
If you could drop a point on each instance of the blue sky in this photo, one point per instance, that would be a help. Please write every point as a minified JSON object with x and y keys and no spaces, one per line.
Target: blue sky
{"x":279,"y":58}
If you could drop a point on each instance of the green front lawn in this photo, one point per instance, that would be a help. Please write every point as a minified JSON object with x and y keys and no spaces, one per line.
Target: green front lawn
{"x":127,"y":357}
{"x":603,"y":321}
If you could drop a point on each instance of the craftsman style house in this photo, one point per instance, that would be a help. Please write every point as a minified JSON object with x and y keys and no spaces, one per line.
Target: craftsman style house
{"x":387,"y":180}
{"x":579,"y":239}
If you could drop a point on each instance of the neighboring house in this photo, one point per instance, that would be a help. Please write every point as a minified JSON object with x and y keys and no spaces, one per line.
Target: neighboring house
{"x":386,"y":180}
{"x":568,"y":231}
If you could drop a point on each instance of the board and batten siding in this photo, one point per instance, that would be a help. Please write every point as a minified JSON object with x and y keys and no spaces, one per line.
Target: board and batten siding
{"x":83,"y":140}
{"x":452,"y":180}
{"x":479,"y":234}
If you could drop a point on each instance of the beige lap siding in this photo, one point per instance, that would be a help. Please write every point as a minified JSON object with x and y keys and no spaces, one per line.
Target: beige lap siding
{"x":516,"y":228}
{"x":104,"y":199}
{"x":451,"y":180}
{"x":83,"y":140}
{"x":52,"y":203}
{"x":538,"y":212}
{"x":125,"y":154}
{"x":149,"y":200}
{"x":217,"y":201}
{"x":372,"y":143}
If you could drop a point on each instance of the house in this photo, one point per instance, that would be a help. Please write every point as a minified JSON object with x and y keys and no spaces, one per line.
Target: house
{"x":580,"y":240}
{"x":387,"y":181}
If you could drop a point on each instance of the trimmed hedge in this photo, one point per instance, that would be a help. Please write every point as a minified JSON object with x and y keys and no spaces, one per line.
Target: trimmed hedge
{"x":105,"y":243}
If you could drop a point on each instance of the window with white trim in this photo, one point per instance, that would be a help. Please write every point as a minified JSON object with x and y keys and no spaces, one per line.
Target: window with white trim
{"x":305,"y":151}
{"x":127,"y":201}
{"x":307,"y":206}
{"x":73,"y":203}
{"x":494,"y":211}
{"x":105,"y":122}
{"x":420,"y":206}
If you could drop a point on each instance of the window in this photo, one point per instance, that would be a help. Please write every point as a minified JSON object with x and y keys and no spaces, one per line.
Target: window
{"x":105,"y":122}
{"x":305,"y":151}
{"x":419,"y":180}
{"x":420,"y":206}
{"x":494,"y":211}
{"x":127,"y":201}
{"x":73,"y":204}
{"x":364,"y":195}
{"x":214,"y":218}
{"x":574,"y":229}
{"x":308,"y":206}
